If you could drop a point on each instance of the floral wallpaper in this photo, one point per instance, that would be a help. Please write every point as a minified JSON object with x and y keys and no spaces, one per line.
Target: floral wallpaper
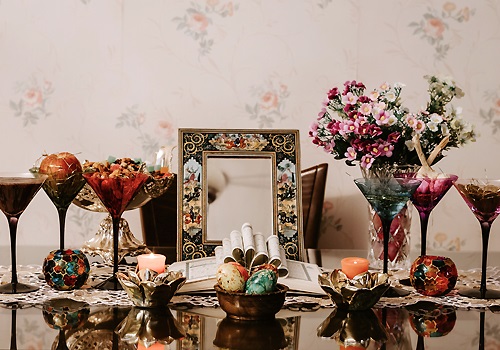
{"x":119,"y":77}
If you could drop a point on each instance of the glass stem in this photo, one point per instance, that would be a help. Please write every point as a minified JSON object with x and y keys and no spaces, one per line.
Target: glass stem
{"x":116,"y":228}
{"x":13,"y":229}
{"x":485,"y":231}
{"x":424,"y":222}
{"x":13,"y":333}
{"x":386,"y":229}
{"x":62,"y":220}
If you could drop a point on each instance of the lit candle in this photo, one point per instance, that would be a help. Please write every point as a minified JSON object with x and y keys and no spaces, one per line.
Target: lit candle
{"x":151,"y":261}
{"x":155,"y":346}
{"x":351,"y":347}
{"x":354,"y":266}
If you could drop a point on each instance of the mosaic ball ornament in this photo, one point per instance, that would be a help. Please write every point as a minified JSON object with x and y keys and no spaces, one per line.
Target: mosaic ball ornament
{"x":433,"y":275}
{"x":436,"y":321}
{"x":66,"y":269}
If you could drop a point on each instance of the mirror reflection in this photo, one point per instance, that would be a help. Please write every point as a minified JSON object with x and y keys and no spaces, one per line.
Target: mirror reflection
{"x":239,"y":189}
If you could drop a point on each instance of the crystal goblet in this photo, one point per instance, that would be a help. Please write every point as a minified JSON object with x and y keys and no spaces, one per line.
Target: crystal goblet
{"x":115,"y":194}
{"x":16,"y":192}
{"x":387,"y":196}
{"x":482,"y":196}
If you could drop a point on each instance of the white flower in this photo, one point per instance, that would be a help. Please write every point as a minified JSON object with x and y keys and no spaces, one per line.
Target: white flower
{"x":444,"y":129}
{"x":390,"y":96}
{"x":436,"y":118}
{"x":432,"y":126}
{"x":392,"y":120}
{"x":410,"y":145}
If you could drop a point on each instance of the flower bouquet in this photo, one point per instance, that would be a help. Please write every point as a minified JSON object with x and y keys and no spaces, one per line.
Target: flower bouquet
{"x":375,"y":130}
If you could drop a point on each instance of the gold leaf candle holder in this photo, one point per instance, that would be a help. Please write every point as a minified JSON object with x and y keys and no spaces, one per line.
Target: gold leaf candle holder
{"x":148,"y":288}
{"x":360,"y":293}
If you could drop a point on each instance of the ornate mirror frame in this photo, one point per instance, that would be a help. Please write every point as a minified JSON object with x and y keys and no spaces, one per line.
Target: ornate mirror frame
{"x":281,"y":146}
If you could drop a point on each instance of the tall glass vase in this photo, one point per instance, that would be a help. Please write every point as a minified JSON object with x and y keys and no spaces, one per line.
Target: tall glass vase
{"x":399,"y":237}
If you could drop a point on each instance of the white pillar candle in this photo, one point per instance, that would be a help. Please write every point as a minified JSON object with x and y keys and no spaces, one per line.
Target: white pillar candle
{"x":155,"y":262}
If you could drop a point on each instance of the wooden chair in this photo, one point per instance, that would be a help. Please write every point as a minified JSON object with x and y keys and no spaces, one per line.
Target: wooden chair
{"x":159,"y":215}
{"x":313,"y":196}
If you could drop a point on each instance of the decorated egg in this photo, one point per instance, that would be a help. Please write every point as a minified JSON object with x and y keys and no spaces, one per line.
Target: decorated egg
{"x":266,"y":267}
{"x":230,"y":278}
{"x":261,"y":282}
{"x":241,"y":269}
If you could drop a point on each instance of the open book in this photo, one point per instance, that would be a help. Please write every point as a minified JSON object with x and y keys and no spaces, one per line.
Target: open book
{"x":300,"y":277}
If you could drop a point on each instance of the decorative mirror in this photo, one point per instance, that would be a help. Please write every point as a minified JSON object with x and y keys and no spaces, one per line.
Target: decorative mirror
{"x":229,"y":177}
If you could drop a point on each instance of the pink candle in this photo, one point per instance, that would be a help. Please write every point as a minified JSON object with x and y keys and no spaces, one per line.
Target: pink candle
{"x":354,"y":266}
{"x":151,"y":261}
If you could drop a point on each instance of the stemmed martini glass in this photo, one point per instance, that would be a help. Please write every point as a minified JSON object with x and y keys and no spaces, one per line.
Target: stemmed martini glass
{"x":482,"y":196}
{"x":16,"y":192}
{"x":387,"y":196}
{"x":115,"y":193}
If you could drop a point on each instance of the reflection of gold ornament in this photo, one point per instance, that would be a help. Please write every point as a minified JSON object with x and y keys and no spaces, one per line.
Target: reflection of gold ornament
{"x":148,"y":288}
{"x":359,"y":293}
{"x":356,"y":328}
{"x":241,"y":334}
{"x":149,"y":326}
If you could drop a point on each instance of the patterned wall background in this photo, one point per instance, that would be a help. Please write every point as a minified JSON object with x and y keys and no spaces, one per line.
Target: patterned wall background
{"x":101,"y":78}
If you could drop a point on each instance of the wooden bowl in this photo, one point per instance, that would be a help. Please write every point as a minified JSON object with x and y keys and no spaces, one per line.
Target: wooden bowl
{"x":243,"y":306}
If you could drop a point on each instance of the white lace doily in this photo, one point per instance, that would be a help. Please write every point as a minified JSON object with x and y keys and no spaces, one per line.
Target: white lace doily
{"x":31,"y":274}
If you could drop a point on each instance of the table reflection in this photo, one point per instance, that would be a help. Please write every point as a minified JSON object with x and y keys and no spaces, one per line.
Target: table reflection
{"x":417,"y":327}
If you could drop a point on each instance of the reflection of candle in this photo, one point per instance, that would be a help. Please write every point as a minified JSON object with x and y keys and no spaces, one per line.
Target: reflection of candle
{"x":151,"y":261}
{"x":354,"y":266}
{"x":352,"y":347}
{"x":155,"y":346}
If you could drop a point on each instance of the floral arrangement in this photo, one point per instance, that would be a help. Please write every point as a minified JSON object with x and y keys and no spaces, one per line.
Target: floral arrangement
{"x":375,"y":130}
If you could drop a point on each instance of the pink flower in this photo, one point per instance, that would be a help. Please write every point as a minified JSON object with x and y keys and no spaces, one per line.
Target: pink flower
{"x":351,"y":153}
{"x":411,"y":120}
{"x":269,"y":100}
{"x":198,"y":22}
{"x":329,"y":146}
{"x":313,"y":131}
{"x":367,"y":161}
{"x":349,"y":98}
{"x":386,"y":149}
{"x":434,"y":28}
{"x":419,"y":126}
{"x":33,"y":97}
{"x":365,"y":109}
{"x":382,"y":118}
{"x":333,"y":93}
{"x":375,"y":149}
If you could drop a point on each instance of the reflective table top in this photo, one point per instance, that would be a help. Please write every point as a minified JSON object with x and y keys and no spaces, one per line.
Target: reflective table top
{"x":207,"y":328}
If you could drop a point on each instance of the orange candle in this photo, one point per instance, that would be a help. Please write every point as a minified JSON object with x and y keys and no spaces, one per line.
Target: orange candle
{"x":155,"y":346}
{"x":151,"y":261}
{"x":352,"y":347}
{"x":354,"y":266}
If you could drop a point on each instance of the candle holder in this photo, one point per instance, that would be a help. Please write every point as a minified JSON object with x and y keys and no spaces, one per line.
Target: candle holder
{"x":148,"y":288}
{"x":360,"y":293}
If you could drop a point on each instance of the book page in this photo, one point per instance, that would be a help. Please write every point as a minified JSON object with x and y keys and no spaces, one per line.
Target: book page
{"x":261,"y":256}
{"x":219,"y":255}
{"x":248,"y":243}
{"x":273,"y":248}
{"x":227,"y":250}
{"x":196,"y":269}
{"x":283,"y":268}
{"x":237,"y":246}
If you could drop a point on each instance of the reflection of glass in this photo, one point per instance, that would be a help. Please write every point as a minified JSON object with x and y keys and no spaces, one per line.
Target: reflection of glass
{"x":426,"y":197}
{"x":16,"y":192}
{"x":483,"y":199}
{"x":387,"y":197}
{"x":61,"y":192}
{"x":115,"y":194}
{"x":65,"y":314}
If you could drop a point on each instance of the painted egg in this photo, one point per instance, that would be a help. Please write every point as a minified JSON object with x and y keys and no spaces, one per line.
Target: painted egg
{"x":229,"y":278}
{"x":261,"y":282}
{"x":266,"y":267}
{"x":241,"y":269}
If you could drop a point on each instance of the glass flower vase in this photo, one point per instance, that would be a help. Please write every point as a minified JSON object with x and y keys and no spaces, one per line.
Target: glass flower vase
{"x":399,"y":236}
